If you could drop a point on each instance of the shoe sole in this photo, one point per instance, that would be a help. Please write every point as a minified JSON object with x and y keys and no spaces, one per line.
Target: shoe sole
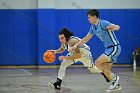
{"x":112,"y":90}
{"x":50,"y":86}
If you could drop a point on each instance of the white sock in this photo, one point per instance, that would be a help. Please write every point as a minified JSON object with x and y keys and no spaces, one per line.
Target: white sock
{"x":113,"y":76}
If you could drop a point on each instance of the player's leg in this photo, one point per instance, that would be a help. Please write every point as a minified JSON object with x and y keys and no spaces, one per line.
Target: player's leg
{"x":106,"y":58}
{"x":88,"y":62}
{"x":108,"y":65}
{"x":105,"y":67}
{"x":61,"y":74}
{"x":103,"y":63}
{"x":106,"y":72}
{"x":115,"y":82}
{"x":63,"y":67}
{"x":90,"y":65}
{"x":115,"y":86}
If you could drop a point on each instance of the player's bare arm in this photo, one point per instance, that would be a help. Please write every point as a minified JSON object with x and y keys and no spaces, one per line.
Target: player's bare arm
{"x":83,"y":41}
{"x":113,"y":27}
{"x":60,"y":50}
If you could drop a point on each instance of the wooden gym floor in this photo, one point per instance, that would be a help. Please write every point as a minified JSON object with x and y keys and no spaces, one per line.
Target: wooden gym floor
{"x":77,"y":80}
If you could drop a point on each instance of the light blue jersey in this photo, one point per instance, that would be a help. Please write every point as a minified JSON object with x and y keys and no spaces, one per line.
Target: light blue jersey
{"x":107,"y":37}
{"x":112,"y":45}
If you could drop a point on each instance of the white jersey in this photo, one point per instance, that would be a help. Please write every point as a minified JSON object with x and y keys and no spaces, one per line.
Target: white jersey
{"x":84,"y":49}
{"x":82,"y":46}
{"x":86,"y":58}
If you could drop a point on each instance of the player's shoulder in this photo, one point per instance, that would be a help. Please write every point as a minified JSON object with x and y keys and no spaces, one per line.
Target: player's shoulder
{"x":103,"y":21}
{"x":92,"y":27}
{"x":72,"y":41}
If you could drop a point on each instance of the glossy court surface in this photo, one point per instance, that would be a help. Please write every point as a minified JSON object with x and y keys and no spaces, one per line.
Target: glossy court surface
{"x":77,"y":80}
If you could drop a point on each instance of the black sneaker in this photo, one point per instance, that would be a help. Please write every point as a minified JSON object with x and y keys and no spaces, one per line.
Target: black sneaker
{"x":56,"y":85}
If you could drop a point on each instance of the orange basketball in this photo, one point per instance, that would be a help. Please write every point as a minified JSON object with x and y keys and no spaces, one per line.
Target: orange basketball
{"x":49,"y":56}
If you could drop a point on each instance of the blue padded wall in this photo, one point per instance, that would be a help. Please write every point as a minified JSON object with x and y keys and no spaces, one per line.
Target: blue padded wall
{"x":26,"y":34}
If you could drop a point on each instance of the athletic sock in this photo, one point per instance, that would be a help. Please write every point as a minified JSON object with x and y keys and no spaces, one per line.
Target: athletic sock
{"x":107,"y":80}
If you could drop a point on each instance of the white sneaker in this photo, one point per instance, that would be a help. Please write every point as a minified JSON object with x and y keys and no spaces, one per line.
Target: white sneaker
{"x":115,"y":82}
{"x":117,"y":88}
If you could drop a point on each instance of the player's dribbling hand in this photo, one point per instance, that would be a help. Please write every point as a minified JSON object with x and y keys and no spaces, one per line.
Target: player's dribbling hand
{"x":61,"y":58}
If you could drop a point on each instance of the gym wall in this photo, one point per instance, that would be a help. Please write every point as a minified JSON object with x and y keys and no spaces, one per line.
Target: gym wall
{"x":30,"y":27}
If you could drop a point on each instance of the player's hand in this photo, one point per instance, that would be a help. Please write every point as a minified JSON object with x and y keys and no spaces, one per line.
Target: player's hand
{"x":52,"y":51}
{"x":61,"y":58}
{"x":71,"y":49}
{"x":111,"y":27}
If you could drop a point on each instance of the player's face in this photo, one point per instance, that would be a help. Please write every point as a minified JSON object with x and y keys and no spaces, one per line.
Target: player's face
{"x":91,"y":19}
{"x":62,"y":39}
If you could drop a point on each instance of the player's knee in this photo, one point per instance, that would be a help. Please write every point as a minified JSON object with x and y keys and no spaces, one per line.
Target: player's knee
{"x":64,"y":64}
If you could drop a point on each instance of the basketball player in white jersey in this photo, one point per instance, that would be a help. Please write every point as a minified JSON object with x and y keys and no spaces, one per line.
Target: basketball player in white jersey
{"x":82,"y":54}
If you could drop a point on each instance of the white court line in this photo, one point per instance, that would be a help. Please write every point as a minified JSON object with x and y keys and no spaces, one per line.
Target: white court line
{"x":29,"y":73}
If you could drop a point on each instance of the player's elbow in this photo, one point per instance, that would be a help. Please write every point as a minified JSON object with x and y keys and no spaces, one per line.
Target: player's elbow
{"x":88,"y":37}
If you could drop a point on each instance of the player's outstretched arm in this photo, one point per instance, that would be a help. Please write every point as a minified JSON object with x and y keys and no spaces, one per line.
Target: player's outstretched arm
{"x":83,"y":41}
{"x":60,"y":50}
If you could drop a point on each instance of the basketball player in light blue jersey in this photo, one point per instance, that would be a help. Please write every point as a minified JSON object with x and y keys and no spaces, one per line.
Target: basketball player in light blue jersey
{"x":82,"y":54}
{"x":104,"y":30}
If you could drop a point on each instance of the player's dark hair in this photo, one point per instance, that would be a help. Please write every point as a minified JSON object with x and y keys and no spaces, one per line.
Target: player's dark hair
{"x":66,"y":33}
{"x":93,"y":12}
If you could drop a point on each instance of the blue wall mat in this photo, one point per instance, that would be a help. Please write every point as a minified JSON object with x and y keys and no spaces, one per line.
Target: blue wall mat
{"x":18,"y":42}
{"x":6,"y":37}
{"x":26,"y":34}
{"x":25,"y":37}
